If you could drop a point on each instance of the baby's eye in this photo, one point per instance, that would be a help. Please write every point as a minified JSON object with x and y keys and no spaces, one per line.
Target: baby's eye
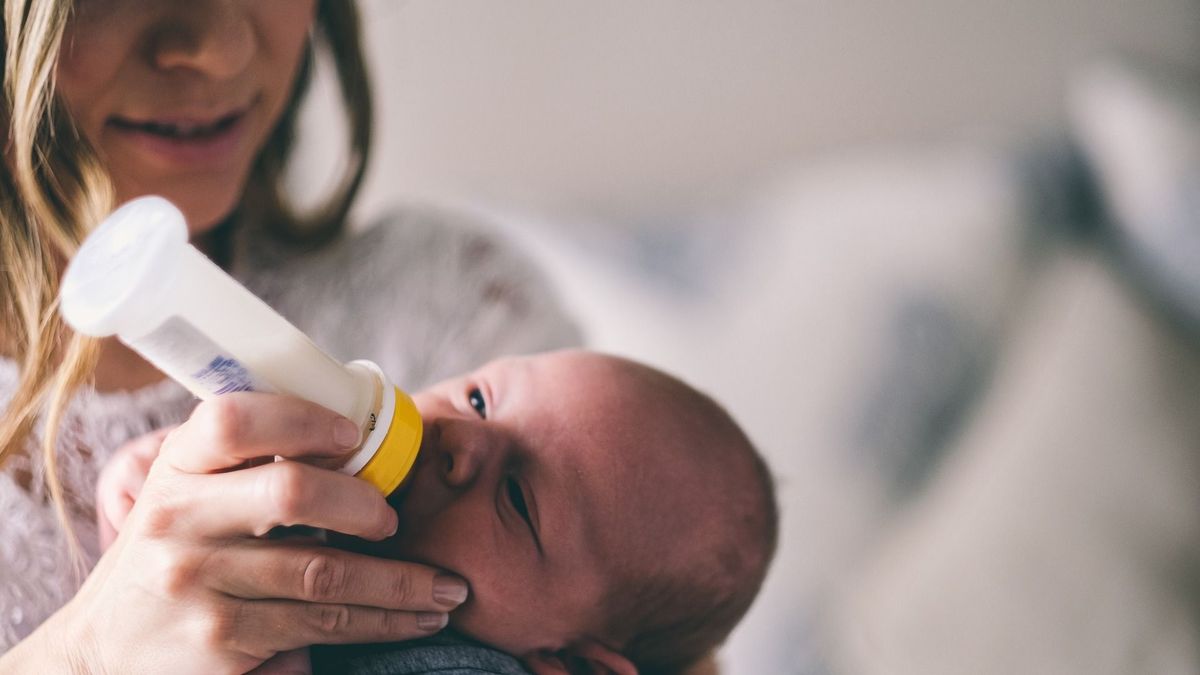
{"x":475,"y":398}
{"x":517,"y":497}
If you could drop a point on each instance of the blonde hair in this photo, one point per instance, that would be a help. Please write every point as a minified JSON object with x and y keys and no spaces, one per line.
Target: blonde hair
{"x":53,"y":188}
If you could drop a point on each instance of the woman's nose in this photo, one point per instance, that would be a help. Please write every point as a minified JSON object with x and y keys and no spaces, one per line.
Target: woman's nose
{"x":466,"y":449}
{"x":212,"y":37}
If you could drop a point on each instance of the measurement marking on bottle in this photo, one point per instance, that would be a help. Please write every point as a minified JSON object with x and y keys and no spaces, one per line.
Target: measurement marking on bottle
{"x":224,"y":375}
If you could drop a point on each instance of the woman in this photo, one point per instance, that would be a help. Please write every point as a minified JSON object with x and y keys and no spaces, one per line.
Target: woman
{"x":197,"y":101}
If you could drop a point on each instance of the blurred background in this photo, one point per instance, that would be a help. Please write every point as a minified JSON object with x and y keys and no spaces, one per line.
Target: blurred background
{"x":941,"y":258}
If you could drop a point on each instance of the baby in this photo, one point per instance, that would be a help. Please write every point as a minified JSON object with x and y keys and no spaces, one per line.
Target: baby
{"x":602,"y":512}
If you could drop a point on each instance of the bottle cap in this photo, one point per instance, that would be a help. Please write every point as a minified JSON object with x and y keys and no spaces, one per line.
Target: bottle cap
{"x":392,"y":442}
{"x":124,"y":270}
{"x":396,"y":456}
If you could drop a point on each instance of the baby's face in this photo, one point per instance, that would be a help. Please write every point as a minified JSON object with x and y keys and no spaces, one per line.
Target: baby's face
{"x":532,"y":483}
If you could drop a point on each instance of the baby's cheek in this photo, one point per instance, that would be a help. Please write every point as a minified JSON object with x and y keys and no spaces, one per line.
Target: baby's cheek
{"x":511,"y":610}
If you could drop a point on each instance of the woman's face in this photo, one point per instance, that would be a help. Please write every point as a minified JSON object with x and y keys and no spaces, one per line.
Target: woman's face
{"x":179,"y":96}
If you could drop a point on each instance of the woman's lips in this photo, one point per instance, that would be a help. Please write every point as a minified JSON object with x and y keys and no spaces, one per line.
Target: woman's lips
{"x":184,"y":142}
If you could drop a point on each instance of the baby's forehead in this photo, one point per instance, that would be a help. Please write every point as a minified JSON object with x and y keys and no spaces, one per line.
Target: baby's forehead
{"x":610,"y":405}
{"x":578,"y":382}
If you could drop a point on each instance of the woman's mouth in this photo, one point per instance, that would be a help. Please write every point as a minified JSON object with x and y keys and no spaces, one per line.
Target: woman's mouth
{"x":182,"y":130}
{"x":183,"y":141}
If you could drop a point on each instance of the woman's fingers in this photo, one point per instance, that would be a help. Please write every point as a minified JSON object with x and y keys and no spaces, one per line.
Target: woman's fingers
{"x":147,"y":446}
{"x":121,"y":481}
{"x":282,"y":625}
{"x":116,"y":489}
{"x":224,"y":432}
{"x":267,"y":570}
{"x":105,"y":528}
{"x":252,"y":502}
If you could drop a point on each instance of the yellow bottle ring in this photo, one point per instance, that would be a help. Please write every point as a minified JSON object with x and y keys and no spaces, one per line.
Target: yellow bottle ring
{"x":397,"y":454}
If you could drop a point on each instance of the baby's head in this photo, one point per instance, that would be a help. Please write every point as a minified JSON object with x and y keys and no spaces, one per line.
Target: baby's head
{"x":601,"y":511}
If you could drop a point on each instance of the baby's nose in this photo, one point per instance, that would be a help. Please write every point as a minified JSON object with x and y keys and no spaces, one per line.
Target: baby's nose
{"x":463,"y":449}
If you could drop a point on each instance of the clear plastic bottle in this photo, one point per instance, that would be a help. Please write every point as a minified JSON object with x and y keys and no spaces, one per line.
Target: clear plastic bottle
{"x":137,"y":277}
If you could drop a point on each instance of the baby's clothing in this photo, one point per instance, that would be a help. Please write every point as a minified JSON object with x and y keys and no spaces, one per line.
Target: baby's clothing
{"x":443,"y":654}
{"x":423,"y":294}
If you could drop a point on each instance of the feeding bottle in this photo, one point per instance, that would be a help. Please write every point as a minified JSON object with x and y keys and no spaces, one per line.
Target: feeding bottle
{"x":137,"y":277}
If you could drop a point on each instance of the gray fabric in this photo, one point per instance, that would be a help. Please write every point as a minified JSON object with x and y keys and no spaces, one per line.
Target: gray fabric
{"x":445,"y":654}
{"x":1138,"y":127}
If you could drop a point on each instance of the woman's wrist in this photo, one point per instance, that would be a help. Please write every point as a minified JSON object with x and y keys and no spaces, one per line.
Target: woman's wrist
{"x":53,"y":647}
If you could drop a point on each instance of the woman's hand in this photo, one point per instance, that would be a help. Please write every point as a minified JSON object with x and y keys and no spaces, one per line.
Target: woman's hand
{"x":191,"y":585}
{"x":120,"y":482}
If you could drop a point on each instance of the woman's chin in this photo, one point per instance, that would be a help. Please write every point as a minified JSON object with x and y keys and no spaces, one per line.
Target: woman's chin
{"x":203,"y":206}
{"x":204,"y":218}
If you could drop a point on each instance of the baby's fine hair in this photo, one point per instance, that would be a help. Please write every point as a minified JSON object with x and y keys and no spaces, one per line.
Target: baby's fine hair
{"x":675,"y":617}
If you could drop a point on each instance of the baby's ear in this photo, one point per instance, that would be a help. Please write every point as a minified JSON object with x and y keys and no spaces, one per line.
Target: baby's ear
{"x":587,"y":657}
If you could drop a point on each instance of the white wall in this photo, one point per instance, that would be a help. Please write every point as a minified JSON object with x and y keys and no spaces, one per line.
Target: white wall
{"x":638,"y":106}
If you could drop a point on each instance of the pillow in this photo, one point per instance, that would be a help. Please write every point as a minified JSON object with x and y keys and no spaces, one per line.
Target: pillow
{"x":1138,"y":127}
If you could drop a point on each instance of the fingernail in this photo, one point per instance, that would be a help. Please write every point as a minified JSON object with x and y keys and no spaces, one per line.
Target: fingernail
{"x":395,"y":525}
{"x":345,"y":433}
{"x":448,"y":590}
{"x":432,"y":621}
